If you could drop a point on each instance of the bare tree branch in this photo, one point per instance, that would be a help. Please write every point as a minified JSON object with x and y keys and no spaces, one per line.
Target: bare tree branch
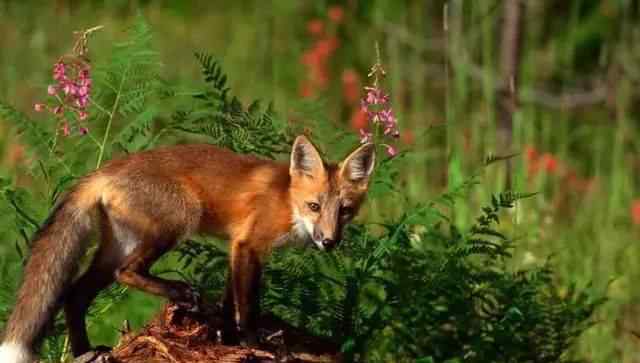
{"x":565,"y":100}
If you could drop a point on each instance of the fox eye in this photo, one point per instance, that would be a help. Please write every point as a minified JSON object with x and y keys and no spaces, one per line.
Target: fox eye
{"x":315,"y":207}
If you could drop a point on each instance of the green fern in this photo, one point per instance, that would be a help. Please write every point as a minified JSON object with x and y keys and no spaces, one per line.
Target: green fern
{"x":131,"y":90}
{"x":226,"y":122}
{"x":215,"y":77}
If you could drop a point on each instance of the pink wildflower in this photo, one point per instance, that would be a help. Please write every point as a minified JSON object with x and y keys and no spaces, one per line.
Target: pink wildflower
{"x":388,"y":119}
{"x":59,"y":71}
{"x":375,"y":104}
{"x":391,"y":150}
{"x":82,"y":91}
{"x":68,"y":88}
{"x":365,"y":136}
{"x":82,"y":102}
{"x":375,"y":96}
{"x":66,"y":129}
{"x":69,"y":94}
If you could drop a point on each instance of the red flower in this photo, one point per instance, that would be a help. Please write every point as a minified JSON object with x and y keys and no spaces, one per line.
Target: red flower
{"x":325,"y":47}
{"x":320,"y":75}
{"x":310,"y":58}
{"x":307,"y":90}
{"x":549,"y":163}
{"x":635,"y":212}
{"x":15,"y":154}
{"x":533,"y":169}
{"x":315,"y":27}
{"x":350,"y":86}
{"x":531,"y":152}
{"x":407,"y":137}
{"x":336,"y":14}
{"x":359,"y":119}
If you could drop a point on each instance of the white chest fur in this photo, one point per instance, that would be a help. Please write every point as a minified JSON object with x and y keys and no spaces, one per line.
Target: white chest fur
{"x":297,"y":236}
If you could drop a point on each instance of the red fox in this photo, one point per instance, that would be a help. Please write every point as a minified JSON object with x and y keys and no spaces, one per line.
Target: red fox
{"x":144,"y":204}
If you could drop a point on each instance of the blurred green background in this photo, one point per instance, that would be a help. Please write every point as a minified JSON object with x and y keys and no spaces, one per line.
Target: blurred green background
{"x":555,"y":81}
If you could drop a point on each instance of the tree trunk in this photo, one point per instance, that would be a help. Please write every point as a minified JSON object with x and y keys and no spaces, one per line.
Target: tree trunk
{"x":507,"y":102}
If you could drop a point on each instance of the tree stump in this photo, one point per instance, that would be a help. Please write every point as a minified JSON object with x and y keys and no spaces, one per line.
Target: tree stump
{"x":179,"y":336}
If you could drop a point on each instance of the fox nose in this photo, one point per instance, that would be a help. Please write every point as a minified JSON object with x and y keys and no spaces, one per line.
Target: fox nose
{"x":328,"y":243}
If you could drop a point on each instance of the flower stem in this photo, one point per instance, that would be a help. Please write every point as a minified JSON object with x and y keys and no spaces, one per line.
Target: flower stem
{"x":93,"y":138}
{"x":111,"y":115}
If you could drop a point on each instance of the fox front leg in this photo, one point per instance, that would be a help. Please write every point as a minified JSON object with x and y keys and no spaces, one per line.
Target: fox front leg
{"x":242,"y":298}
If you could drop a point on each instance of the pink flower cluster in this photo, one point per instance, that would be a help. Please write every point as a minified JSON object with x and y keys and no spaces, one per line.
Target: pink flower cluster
{"x":375,"y":104}
{"x":69,"y":95}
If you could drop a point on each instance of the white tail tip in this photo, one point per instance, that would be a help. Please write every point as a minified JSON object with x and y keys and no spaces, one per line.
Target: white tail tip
{"x":15,"y":353}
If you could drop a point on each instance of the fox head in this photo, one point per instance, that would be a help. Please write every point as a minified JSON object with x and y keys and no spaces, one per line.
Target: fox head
{"x":325,"y":197}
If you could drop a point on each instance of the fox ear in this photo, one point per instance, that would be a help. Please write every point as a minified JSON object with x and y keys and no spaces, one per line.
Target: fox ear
{"x":305,"y":159}
{"x":358,"y":166}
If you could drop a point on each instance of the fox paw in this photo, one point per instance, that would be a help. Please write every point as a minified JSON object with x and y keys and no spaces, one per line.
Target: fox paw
{"x":243,"y":338}
{"x":190,"y":301}
{"x":248,"y":339}
{"x":100,"y":354}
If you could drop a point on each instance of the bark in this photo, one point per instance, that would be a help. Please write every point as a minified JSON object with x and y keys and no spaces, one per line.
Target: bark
{"x":510,"y":49}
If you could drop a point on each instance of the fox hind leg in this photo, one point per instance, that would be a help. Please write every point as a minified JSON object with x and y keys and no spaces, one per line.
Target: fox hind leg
{"x":98,"y":276}
{"x":148,"y":224}
{"x":135,"y":273}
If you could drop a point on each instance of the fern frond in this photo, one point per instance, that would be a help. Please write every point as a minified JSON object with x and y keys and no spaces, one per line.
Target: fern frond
{"x":214,"y":76}
{"x":492,"y":158}
{"x":222,"y":118}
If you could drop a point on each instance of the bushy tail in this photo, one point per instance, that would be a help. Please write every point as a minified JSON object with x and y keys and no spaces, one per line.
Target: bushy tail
{"x":56,"y":249}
